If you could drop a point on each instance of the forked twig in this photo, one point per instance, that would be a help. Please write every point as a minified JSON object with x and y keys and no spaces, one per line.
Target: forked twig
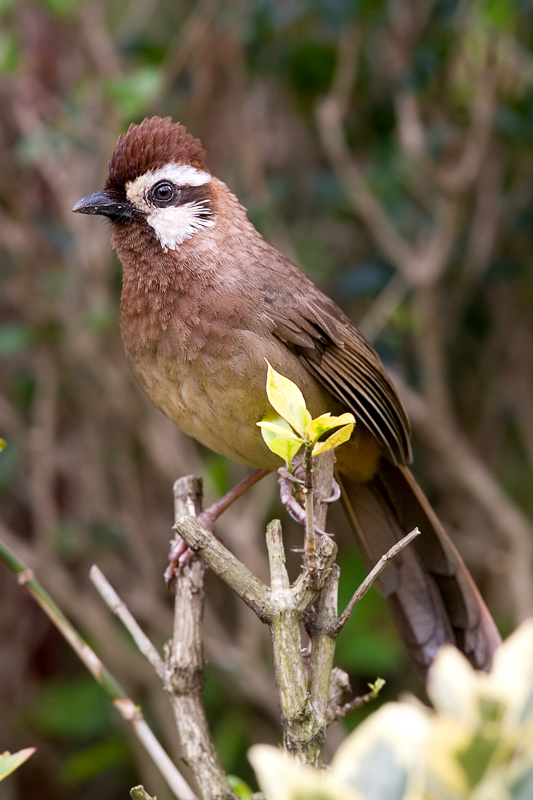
{"x":124,"y":705}
{"x":372,"y":577}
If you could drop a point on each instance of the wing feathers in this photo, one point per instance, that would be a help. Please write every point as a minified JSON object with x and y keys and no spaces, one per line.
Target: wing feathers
{"x":342,"y":360}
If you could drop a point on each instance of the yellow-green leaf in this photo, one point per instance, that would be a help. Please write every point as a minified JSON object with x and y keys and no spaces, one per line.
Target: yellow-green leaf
{"x":9,"y":762}
{"x":140,"y":793}
{"x":285,"y":448}
{"x":2,"y":444}
{"x":240,"y":788}
{"x":326,"y":422}
{"x":279,"y":436}
{"x":337,"y":438}
{"x":279,"y":430}
{"x":304,"y":417}
{"x":377,"y":686}
{"x":285,"y":397}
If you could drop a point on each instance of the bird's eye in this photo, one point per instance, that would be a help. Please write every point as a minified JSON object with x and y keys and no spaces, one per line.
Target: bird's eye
{"x":163,"y":194}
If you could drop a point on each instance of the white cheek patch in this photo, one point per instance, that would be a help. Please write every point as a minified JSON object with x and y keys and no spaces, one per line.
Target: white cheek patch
{"x":176,"y":224}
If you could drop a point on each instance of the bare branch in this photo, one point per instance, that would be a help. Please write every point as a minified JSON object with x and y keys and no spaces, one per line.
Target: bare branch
{"x":302,"y":710}
{"x":126,"y":707}
{"x":253,"y":591}
{"x":119,"y":607}
{"x":185,"y":678}
{"x":357,"y":702}
{"x":371,"y":578}
{"x":323,"y":645}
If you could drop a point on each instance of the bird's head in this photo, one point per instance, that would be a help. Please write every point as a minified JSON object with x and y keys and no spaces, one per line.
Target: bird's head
{"x":157,"y":177}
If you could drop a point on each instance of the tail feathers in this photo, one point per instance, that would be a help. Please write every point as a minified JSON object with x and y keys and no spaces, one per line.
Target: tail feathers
{"x":432,"y":596}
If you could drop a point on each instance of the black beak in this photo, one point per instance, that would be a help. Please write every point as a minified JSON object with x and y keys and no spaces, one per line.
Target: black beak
{"x":107,"y":204}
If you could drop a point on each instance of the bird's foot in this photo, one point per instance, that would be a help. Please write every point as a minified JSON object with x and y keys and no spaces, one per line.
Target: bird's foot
{"x":180,"y":554}
{"x":292,"y":494}
{"x":335,"y":493}
{"x":291,"y":491}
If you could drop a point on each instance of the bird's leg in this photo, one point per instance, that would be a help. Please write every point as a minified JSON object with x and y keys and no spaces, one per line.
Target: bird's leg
{"x":179,"y":552}
{"x":178,"y":556}
{"x":211,"y":514}
{"x":291,"y":495}
{"x":291,"y":489}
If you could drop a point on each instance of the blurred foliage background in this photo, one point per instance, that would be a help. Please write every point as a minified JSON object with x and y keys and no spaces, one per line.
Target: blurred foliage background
{"x":385,"y":146}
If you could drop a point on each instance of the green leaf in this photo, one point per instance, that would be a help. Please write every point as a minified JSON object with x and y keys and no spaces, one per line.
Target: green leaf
{"x":336,"y":439}
{"x":285,"y":397}
{"x":2,"y":444}
{"x":9,"y":762}
{"x":240,"y":788}
{"x":326,"y":422}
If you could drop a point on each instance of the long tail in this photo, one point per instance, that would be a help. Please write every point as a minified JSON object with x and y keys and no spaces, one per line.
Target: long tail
{"x":432,"y":596}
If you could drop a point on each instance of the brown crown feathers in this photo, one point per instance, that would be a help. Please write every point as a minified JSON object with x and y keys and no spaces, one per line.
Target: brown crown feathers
{"x":151,"y":145}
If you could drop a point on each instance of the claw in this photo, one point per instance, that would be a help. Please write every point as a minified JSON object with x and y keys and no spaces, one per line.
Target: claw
{"x":288,"y":496}
{"x":336,"y":493}
{"x":178,"y":556}
{"x":292,"y":498}
{"x":296,"y":511}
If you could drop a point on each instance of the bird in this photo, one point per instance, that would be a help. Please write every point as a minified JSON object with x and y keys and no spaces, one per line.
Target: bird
{"x":206,"y":302}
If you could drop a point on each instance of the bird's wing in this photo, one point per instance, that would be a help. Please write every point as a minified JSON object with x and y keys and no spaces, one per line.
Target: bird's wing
{"x":341,"y":359}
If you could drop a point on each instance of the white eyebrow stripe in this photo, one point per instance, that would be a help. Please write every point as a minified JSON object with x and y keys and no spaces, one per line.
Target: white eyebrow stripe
{"x":175,"y":224}
{"x":180,"y":174}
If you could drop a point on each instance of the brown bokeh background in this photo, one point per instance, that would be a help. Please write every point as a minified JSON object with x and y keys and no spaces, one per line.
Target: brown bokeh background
{"x":383,"y":146}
